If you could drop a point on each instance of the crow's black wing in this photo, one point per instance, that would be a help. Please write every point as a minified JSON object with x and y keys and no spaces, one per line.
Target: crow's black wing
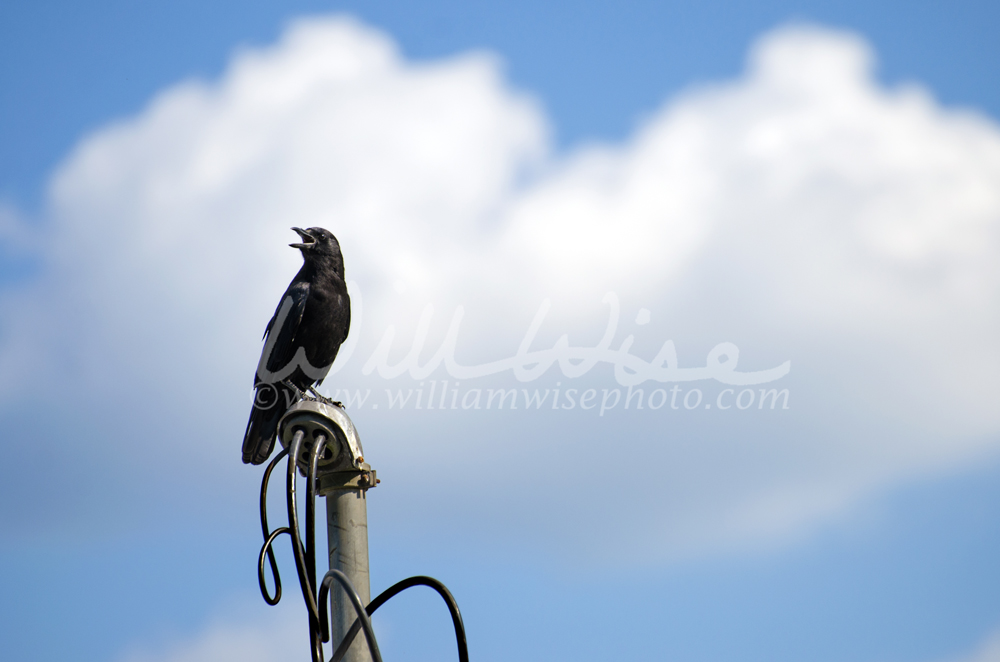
{"x":281,"y":349}
{"x":271,"y":397}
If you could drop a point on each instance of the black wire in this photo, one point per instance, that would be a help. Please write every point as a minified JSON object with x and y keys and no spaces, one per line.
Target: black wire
{"x":315,"y":629}
{"x":362,"y":613}
{"x":293,"y":520}
{"x":267,"y":549}
{"x":268,"y":539}
{"x":384,"y":596}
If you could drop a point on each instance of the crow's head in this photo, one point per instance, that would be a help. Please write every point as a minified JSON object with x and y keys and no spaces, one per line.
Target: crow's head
{"x":319,"y":244}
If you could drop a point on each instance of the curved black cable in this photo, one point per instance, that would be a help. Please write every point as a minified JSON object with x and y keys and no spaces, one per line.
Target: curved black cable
{"x":315,"y":629}
{"x":268,"y":538}
{"x":268,"y":549}
{"x":383,"y":597}
{"x":362,"y":613}
{"x":317,"y":448}
{"x":293,"y":520}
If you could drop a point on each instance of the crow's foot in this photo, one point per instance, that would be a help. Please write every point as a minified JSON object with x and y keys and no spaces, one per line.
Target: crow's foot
{"x":298,"y":392}
{"x":325,"y":400}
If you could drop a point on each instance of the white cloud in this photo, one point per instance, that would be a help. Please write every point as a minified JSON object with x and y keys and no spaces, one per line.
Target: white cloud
{"x":803,"y":211}
{"x":988,"y":650}
{"x":280,"y":637}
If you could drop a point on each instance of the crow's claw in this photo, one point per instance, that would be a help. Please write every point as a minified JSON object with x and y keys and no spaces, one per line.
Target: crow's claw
{"x":298,"y":392}
{"x":325,"y":400}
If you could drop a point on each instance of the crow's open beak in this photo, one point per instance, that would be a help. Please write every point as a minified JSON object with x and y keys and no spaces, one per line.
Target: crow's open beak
{"x":307,"y":239}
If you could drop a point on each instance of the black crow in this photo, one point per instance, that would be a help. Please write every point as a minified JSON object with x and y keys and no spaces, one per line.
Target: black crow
{"x":301,"y":340}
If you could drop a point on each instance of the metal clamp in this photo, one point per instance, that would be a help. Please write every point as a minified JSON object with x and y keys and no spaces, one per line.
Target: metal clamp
{"x":332,"y":481}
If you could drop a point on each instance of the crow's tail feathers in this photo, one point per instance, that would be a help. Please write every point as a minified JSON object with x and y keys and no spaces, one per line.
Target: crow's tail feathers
{"x":271,"y":401}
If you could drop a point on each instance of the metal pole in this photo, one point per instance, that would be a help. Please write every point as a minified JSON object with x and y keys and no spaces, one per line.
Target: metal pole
{"x":347,"y":536}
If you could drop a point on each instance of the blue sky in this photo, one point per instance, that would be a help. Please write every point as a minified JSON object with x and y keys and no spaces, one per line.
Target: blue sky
{"x":811,"y":183}
{"x":70,"y":67}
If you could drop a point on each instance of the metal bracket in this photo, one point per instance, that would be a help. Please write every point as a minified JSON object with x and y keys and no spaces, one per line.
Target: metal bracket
{"x":346,"y":480}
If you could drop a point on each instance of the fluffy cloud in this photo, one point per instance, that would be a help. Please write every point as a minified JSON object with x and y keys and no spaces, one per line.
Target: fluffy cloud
{"x":802,"y":211}
{"x":224,"y":641}
{"x":987,"y":651}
